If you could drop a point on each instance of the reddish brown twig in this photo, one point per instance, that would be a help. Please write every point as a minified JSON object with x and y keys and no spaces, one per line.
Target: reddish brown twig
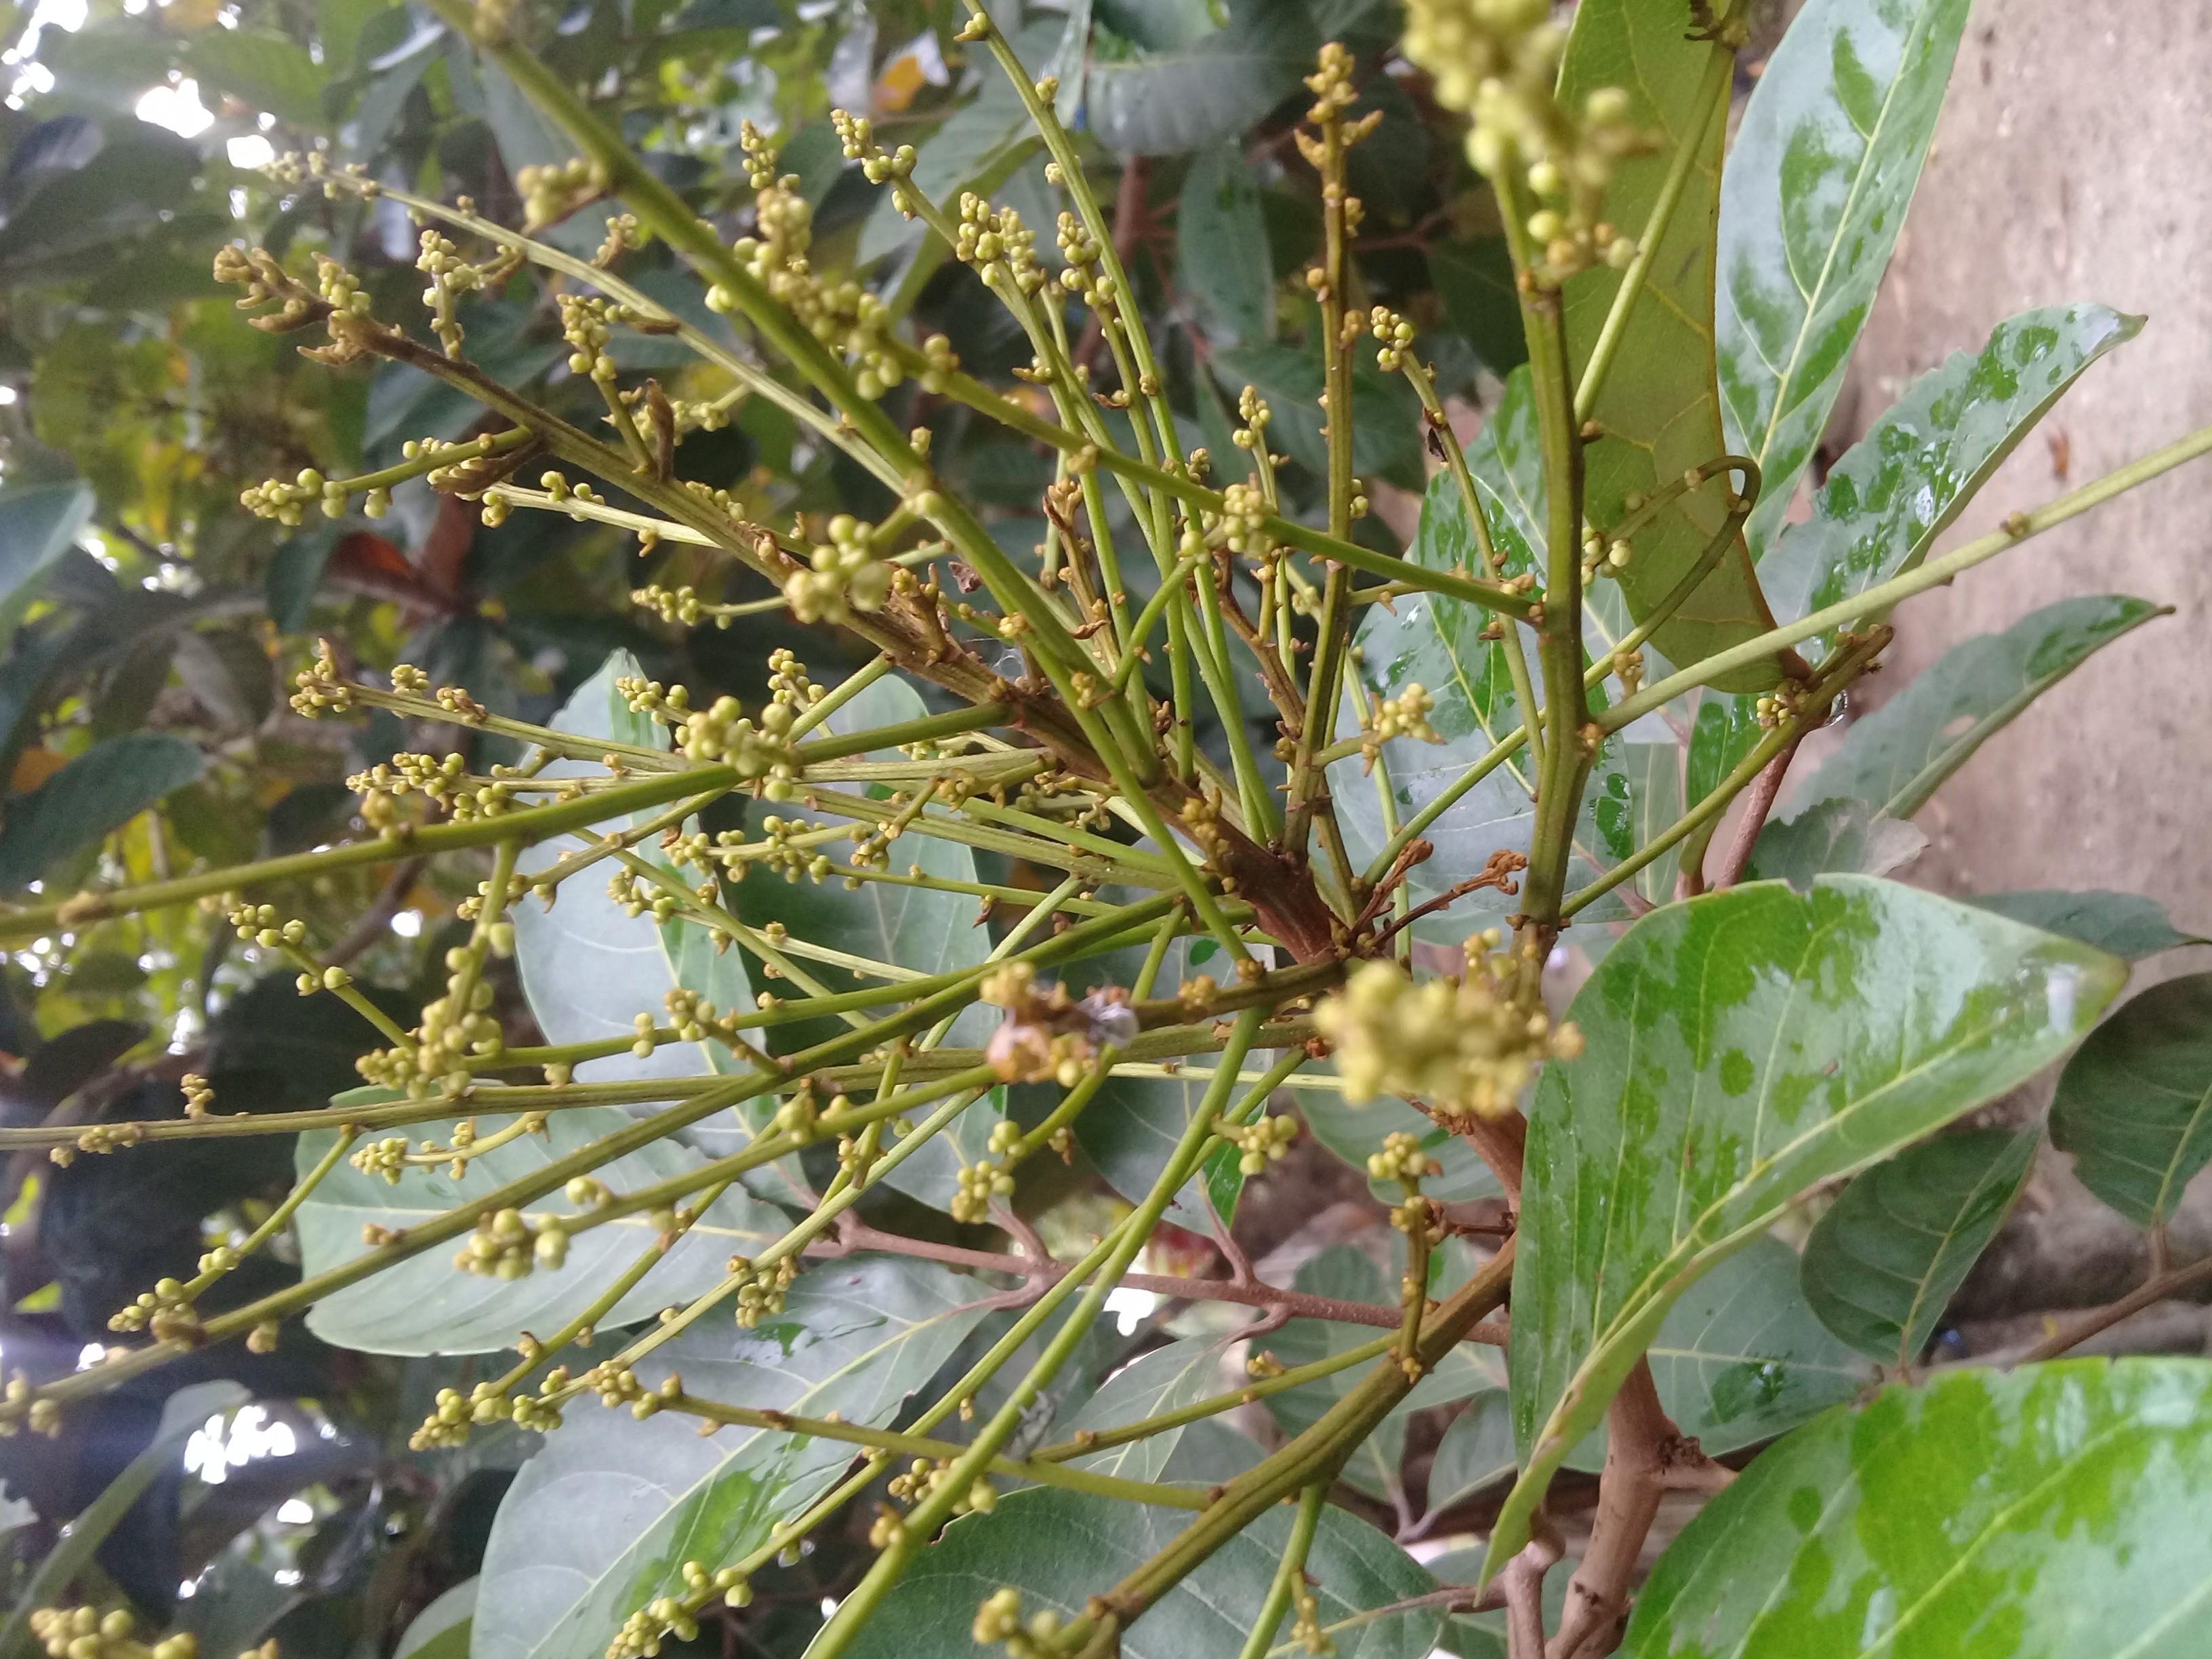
{"x":854,"y":1238}
{"x":1645,"y":1455}
{"x":1520,"y":1586}
{"x":1757,"y":801}
{"x":2156,"y":1289}
{"x":1499,"y":873}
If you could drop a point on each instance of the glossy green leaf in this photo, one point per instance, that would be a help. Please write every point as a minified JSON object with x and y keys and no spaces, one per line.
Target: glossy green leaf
{"x":101,"y":790}
{"x":1344,"y":1273}
{"x":1659,"y":405}
{"x":1476,"y":1452}
{"x":1060,"y":1548}
{"x":2045,"y":1513}
{"x":1883,"y":1263}
{"x":1842,"y":836}
{"x":427,"y":1304}
{"x":1883,"y":504}
{"x":1181,"y":1374}
{"x":602,"y":1519}
{"x":442,"y":1630}
{"x":262,"y":67}
{"x":1899,"y":756}
{"x":2135,"y":1105}
{"x":1823,"y":169}
{"x":1739,"y":1047}
{"x":589,"y":967}
{"x":38,"y":524}
{"x":2125,"y":924}
{"x":1197,"y":91}
{"x":1221,"y":246}
{"x":1354,"y":1133}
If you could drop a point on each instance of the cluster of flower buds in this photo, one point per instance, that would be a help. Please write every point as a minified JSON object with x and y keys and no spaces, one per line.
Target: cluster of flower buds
{"x":846,"y":576}
{"x":451,"y":276}
{"x":166,"y":1310}
{"x":998,"y":1623}
{"x":1405,"y":715}
{"x":287,"y":503}
{"x":1784,"y":703}
{"x":88,"y":1633}
{"x":760,"y":1295}
{"x":1394,"y":338}
{"x":681,"y":605}
{"x":452,"y":1415}
{"x":20,"y":1402}
{"x":1466,"y":1044}
{"x":1499,"y":61}
{"x":506,"y":1246}
{"x":1402,"y":1159}
{"x":998,"y":243}
{"x":1243,"y":518}
{"x":1263,"y":1141}
{"x":320,"y":688}
{"x":552,"y":193}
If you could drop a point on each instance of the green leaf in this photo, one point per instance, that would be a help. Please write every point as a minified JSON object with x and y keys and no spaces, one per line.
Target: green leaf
{"x":1740,"y":1048}
{"x":296,"y":573}
{"x":2052,"y":1510}
{"x":1901,"y":486}
{"x":1344,"y":1273}
{"x":1899,"y":756}
{"x":1474,"y":279}
{"x":1816,"y":191}
{"x":38,"y":524}
{"x":1198,"y":91}
{"x":1353,"y":1132}
{"x":1060,"y":1548}
{"x":1843,"y":837}
{"x":440,"y":1631}
{"x":1221,"y":246}
{"x":1181,"y":1374}
{"x":101,"y":790}
{"x":1654,"y":772}
{"x":589,"y":968}
{"x":2135,"y":1105}
{"x":601,"y":1521}
{"x":2125,"y":924}
{"x":1477,"y":1451}
{"x":1740,"y":1358}
{"x":1883,"y":1263}
{"x":427,"y":1304}
{"x":1660,"y":405}
{"x":261,"y":68}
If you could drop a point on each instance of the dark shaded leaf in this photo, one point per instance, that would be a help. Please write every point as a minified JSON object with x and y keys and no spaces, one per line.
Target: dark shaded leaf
{"x":1842,"y":836}
{"x":1223,"y":263}
{"x":1883,"y":1263}
{"x":2135,"y":1105}
{"x":100,"y":791}
{"x":2125,"y":924}
{"x":1196,"y":92}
